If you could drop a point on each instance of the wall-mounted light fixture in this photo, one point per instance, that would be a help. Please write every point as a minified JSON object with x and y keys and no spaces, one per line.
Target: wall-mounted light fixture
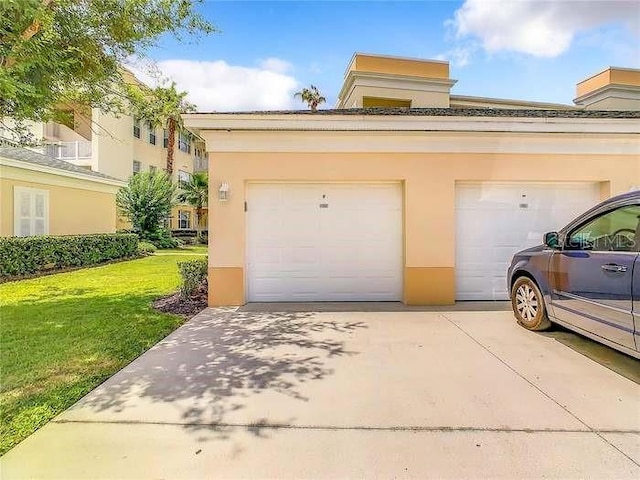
{"x":223,"y":192}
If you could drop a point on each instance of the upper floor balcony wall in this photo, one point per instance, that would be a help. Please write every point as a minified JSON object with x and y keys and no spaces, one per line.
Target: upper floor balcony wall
{"x":383,"y":81}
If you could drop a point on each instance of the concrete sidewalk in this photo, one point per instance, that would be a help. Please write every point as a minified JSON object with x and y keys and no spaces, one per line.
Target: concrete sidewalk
{"x":347,"y":395}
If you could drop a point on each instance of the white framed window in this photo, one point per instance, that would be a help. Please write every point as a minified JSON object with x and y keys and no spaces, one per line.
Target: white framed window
{"x":165,"y":138}
{"x":30,"y":211}
{"x":184,"y":219}
{"x":152,"y":133}
{"x":183,"y":178}
{"x":136,"y":127}
{"x":137,"y":167}
{"x":184,"y":142}
{"x":153,"y":169}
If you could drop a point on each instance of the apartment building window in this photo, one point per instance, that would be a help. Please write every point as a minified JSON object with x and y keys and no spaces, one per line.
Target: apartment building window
{"x":165,"y":137}
{"x":153,"y":169}
{"x":183,"y":178}
{"x":184,"y":142}
{"x":152,"y":134}
{"x":137,"y":167}
{"x":184,"y":219}
{"x":30,"y":212}
{"x":136,"y":127}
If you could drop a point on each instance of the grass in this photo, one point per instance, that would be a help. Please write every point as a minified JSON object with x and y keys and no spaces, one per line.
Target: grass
{"x":188,"y":249}
{"x":64,"y":334}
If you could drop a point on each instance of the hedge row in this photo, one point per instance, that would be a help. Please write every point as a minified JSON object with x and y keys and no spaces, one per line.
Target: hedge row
{"x":30,"y":255}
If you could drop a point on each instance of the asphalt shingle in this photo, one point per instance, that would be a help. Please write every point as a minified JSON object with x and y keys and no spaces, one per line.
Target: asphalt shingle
{"x":29,"y":156}
{"x":450,"y":112}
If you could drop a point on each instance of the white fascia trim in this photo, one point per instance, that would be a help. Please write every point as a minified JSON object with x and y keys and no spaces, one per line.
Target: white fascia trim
{"x":9,"y":162}
{"x":391,"y":123}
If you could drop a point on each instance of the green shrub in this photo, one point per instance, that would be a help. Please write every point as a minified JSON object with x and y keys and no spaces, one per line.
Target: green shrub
{"x":162,"y":239}
{"x":30,"y":255}
{"x":194,"y":275}
{"x":146,"y":248}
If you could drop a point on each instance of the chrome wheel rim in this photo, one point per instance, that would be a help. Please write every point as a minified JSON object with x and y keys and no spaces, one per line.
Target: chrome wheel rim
{"x":527,"y":304}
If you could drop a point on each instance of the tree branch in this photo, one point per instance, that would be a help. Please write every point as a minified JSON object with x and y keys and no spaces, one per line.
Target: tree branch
{"x":27,"y":34}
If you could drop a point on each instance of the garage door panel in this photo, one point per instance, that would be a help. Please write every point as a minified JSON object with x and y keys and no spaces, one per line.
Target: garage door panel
{"x":493,"y":221}
{"x":350,"y":250}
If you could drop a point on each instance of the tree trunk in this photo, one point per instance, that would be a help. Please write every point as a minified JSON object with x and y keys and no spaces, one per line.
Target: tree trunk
{"x":171,"y":144}
{"x":198,"y":220}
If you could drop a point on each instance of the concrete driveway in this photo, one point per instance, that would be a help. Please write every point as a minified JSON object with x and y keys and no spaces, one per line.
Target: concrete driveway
{"x":407,"y":394}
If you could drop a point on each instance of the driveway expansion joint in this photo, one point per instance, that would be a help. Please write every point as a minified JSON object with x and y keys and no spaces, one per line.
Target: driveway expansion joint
{"x":599,"y":433}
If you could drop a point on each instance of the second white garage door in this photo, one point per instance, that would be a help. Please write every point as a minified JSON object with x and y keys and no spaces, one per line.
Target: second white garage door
{"x":324,"y":242}
{"x":494,"y":221}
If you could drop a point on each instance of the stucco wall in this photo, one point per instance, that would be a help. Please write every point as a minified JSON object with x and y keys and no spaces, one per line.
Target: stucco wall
{"x":618,"y":76}
{"x":400,"y":66}
{"x":429,"y":181}
{"x":417,"y":98}
{"x":75,"y":206}
{"x":112,"y":145}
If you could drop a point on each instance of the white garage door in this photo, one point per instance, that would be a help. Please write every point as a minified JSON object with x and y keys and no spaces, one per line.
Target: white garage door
{"x":324,"y":242}
{"x":493,"y":221}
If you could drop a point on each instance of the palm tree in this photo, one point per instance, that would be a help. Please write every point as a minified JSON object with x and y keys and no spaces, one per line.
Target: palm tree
{"x":162,"y":106}
{"x":196,"y":193}
{"x":312,"y":96}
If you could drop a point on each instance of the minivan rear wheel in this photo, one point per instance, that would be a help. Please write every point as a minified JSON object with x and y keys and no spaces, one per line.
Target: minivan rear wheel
{"x":528,"y":305}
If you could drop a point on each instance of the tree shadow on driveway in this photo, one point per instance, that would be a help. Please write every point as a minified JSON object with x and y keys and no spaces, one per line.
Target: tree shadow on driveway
{"x":209,"y":367}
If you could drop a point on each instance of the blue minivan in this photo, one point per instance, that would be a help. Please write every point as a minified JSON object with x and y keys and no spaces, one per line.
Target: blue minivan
{"x":585,"y":277}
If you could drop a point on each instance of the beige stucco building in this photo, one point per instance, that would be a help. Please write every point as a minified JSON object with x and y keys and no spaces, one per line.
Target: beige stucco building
{"x":406,"y":192}
{"x":40,"y":195}
{"x":120,"y":146}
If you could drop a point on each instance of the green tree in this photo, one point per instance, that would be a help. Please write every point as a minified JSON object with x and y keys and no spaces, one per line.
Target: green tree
{"x":196,"y":194}
{"x":68,"y":52}
{"x":161,"y":106}
{"x":146,"y":201}
{"x":311,"y":96}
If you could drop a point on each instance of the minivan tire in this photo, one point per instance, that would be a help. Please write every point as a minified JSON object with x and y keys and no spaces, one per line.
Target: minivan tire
{"x":528,"y":305}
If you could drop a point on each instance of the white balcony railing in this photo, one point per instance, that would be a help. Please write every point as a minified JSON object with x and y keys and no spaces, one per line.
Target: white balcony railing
{"x":69,"y":151}
{"x":200,"y":164}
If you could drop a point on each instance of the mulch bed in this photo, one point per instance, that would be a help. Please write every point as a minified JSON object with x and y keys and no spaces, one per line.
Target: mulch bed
{"x":184,"y":306}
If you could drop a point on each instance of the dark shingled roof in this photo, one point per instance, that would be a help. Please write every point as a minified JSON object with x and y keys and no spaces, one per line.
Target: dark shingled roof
{"x":29,"y":156}
{"x":451,"y":112}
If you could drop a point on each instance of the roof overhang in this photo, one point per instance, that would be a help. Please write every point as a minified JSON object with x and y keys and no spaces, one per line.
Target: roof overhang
{"x":407,"y":123}
{"x":11,"y":162}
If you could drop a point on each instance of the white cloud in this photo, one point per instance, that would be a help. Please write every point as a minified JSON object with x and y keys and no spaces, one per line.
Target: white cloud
{"x":457,"y":56}
{"x":276,"y":65}
{"x":219,"y":86}
{"x":538,"y":27}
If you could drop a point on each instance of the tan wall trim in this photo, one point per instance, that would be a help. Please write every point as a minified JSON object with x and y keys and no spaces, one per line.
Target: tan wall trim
{"x":610,"y":76}
{"x":429,"y":286}
{"x":399,"y":66}
{"x":226,"y":285}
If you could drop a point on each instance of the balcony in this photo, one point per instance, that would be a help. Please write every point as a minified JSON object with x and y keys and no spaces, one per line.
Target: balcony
{"x":200,"y":164}
{"x":78,"y":152}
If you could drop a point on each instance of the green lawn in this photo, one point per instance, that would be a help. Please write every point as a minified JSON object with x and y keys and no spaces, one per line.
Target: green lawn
{"x":189,"y":249}
{"x":64,"y":334}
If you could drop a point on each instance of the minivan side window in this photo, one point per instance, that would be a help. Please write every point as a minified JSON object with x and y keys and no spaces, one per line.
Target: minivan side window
{"x":614,"y":231}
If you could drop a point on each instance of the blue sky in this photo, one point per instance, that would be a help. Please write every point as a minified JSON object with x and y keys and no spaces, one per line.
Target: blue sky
{"x":526,"y":49}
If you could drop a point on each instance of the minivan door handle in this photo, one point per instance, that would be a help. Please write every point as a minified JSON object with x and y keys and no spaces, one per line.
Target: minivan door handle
{"x":612,"y":267}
